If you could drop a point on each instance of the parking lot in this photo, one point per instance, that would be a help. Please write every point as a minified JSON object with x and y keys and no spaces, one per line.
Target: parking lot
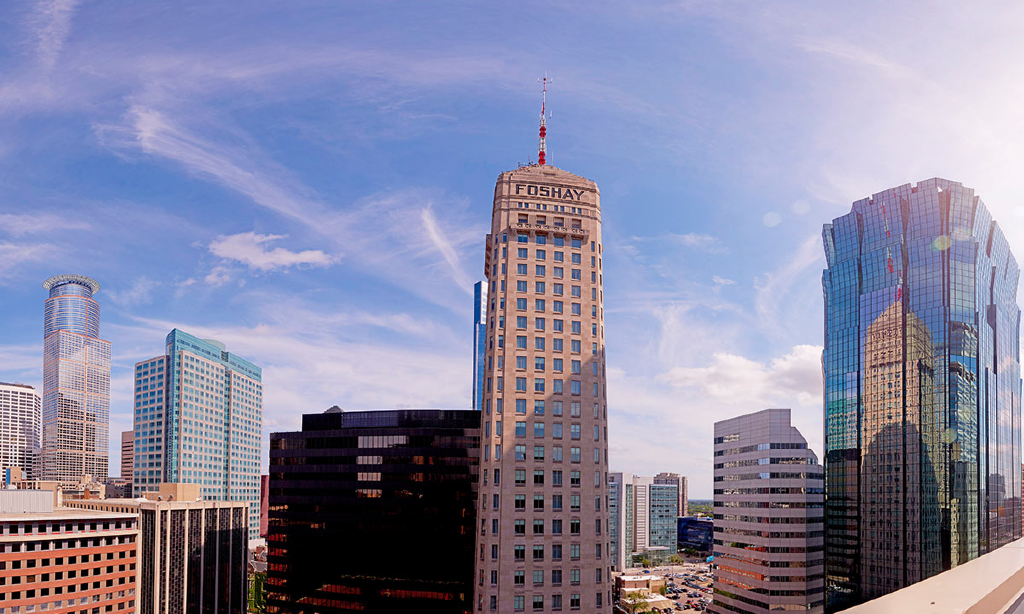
{"x":689,"y":586}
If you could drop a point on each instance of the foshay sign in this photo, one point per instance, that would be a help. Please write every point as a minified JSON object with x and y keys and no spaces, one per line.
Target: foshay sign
{"x":549,"y":191}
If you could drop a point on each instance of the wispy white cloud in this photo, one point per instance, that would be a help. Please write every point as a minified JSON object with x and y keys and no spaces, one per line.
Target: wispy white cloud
{"x":17,"y":224}
{"x":780,"y":292}
{"x":50,"y":24}
{"x":699,"y":241}
{"x":722,"y":281}
{"x":13,"y":255}
{"x":444,"y":246}
{"x":152,"y":132}
{"x":140,"y":293}
{"x":359,"y":230}
{"x":846,"y":50}
{"x":252,"y":250}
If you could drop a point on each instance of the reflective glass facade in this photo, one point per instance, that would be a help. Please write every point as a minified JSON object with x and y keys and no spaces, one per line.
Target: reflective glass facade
{"x":663,"y":509}
{"x":199,"y":420}
{"x":922,"y":389}
{"x":374,"y":511}
{"x":620,"y":519}
{"x":479,"y":341}
{"x":694,"y":533}
{"x":76,"y":382}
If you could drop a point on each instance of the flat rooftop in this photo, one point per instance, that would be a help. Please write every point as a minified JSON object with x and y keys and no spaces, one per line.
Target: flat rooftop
{"x":64,"y":513}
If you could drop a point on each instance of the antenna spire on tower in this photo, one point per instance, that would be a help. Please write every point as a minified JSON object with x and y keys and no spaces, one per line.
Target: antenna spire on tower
{"x":543,"y":148}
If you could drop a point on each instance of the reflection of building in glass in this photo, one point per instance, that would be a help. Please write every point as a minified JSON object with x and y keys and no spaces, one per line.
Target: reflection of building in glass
{"x":76,"y":382}
{"x":768,"y":525}
{"x":922,"y":385}
{"x":376,"y":511}
{"x":891,"y":468}
{"x":694,"y":533}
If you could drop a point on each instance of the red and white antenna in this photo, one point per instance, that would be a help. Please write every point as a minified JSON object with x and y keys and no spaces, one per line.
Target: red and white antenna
{"x":543,"y":148}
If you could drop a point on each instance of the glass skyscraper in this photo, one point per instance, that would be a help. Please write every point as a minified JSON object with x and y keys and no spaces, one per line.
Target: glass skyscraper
{"x":199,"y":420}
{"x":922,"y":389}
{"x":76,"y":382}
{"x":479,"y":341}
{"x":620,"y":520}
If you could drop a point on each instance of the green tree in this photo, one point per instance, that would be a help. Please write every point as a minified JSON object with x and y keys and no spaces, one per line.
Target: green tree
{"x":258,"y":592}
{"x":645,"y":562}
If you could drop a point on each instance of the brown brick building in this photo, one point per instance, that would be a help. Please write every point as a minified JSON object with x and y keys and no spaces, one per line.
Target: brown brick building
{"x":64,"y":560}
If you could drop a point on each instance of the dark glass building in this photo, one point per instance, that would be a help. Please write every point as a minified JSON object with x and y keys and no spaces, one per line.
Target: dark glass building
{"x":374,"y":511}
{"x":694,"y":533}
{"x":922,"y":389}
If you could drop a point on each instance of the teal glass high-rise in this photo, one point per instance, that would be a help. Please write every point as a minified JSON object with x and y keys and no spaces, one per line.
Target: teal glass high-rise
{"x":199,"y":420}
{"x":922,"y":389}
{"x":76,"y":382}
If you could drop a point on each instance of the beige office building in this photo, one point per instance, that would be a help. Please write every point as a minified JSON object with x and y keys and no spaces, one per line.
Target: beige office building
{"x":127,"y":456}
{"x":543,"y":544}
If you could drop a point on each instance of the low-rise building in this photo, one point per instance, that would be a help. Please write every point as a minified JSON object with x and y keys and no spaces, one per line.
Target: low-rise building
{"x":62,"y":559}
{"x":646,"y":587}
{"x":193,"y":552}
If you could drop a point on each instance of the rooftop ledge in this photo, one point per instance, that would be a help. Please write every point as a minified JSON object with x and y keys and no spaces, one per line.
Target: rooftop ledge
{"x":990,"y":584}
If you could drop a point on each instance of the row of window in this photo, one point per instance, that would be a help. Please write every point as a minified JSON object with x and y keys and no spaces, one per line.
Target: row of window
{"x":519,"y":602}
{"x":540,"y":324}
{"x":539,"y":501}
{"x":538,"y":430}
{"x":575,"y":454}
{"x":539,"y":408}
{"x":540,"y":384}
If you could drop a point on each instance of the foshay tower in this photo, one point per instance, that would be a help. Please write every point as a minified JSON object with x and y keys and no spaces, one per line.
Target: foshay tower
{"x":543,"y":542}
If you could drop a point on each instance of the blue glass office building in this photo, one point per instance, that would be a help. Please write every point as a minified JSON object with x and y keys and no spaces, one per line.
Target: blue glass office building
{"x":922,"y":389}
{"x":199,"y":420}
{"x":694,"y":533}
{"x":479,"y":338}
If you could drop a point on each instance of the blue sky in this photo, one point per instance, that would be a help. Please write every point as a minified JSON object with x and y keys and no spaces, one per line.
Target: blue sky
{"x":311,"y":182}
